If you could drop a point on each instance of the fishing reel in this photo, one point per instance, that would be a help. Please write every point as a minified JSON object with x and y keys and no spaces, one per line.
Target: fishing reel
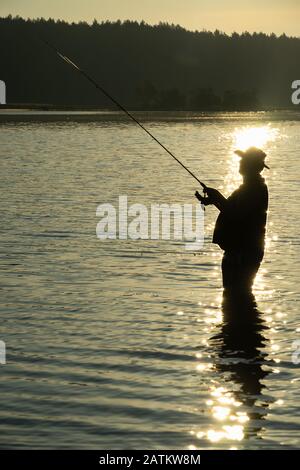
{"x":204,"y":200}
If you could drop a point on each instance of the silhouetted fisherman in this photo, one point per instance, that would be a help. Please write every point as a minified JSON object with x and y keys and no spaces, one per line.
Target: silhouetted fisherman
{"x":240,"y":227}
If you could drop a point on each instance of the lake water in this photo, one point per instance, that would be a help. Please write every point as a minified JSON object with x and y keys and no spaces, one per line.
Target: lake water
{"x":121,"y":343}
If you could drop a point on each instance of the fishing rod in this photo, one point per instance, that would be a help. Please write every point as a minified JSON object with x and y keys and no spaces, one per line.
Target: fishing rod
{"x":91,"y":80}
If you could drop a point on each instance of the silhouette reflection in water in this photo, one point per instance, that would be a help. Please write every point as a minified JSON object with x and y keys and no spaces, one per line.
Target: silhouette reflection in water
{"x":239,"y":356}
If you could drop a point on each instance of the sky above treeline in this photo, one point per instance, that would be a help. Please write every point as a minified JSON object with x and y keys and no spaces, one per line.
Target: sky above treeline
{"x":278,"y":16}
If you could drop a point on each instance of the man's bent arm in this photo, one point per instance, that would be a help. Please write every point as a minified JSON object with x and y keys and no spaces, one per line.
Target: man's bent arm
{"x":217,"y":199}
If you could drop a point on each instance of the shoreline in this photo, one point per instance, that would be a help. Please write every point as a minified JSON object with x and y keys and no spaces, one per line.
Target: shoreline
{"x":29,"y":107}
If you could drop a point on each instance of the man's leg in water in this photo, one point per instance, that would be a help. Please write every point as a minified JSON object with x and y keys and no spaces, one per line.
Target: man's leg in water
{"x":239,"y":271}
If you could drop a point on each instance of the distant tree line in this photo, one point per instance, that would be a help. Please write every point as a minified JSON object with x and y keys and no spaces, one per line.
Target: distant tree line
{"x":149,"y":97}
{"x":147,"y":67}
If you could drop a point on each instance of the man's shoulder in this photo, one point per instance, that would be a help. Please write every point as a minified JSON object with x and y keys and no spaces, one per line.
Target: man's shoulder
{"x":253,"y":186}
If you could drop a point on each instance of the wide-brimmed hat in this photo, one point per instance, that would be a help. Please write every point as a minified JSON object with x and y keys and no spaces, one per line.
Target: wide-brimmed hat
{"x":253,"y":154}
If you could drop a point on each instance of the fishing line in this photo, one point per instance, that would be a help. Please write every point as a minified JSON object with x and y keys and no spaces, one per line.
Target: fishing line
{"x":100,"y":88}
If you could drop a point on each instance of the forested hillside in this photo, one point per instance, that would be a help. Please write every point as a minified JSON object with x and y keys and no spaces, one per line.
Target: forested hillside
{"x":147,"y":67}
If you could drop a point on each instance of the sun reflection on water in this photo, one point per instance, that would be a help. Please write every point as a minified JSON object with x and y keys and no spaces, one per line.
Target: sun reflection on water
{"x":254,"y":137}
{"x":224,"y":408}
